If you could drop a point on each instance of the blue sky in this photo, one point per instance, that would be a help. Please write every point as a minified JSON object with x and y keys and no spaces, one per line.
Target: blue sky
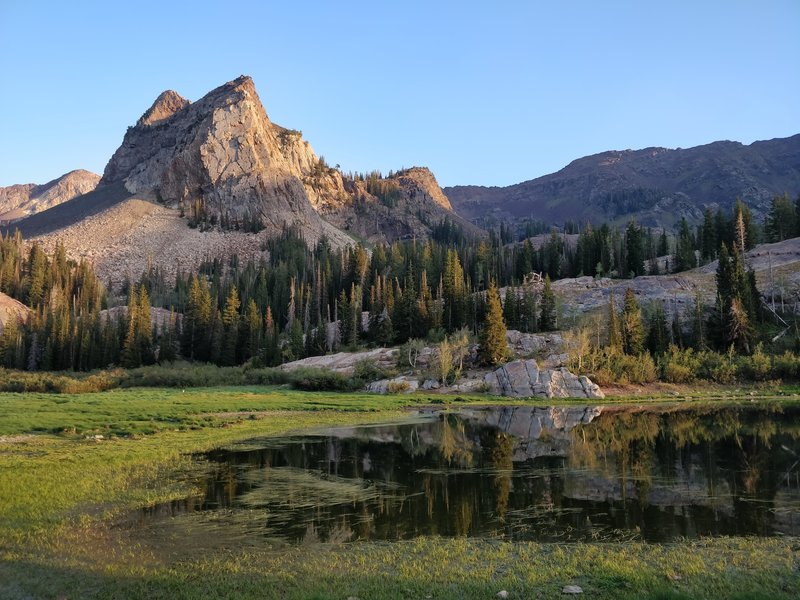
{"x":488,"y":93}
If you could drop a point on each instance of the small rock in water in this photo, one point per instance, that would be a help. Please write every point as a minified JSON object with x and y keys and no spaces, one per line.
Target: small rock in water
{"x":502,"y":594}
{"x":572,"y":589}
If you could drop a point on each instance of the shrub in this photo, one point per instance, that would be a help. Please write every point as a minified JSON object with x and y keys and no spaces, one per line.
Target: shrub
{"x":367,"y":370}
{"x":184,"y":375}
{"x":318,"y":380}
{"x":267,"y":376}
{"x":679,"y":365}
{"x":610,"y":366}
{"x":716,"y":367}
{"x":757,"y":367}
{"x":786,"y":366}
{"x":397,"y":387}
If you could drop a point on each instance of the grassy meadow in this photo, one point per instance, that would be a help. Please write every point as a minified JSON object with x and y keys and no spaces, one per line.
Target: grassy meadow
{"x":65,"y":493}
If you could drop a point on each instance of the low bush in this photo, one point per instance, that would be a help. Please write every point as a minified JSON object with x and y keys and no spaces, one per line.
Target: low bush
{"x":611,"y":366}
{"x":59,"y":383}
{"x":397,"y":387}
{"x":786,"y":366}
{"x":183,"y":375}
{"x":717,"y":367}
{"x":679,"y":365}
{"x":320,"y":380}
{"x":756,"y":367}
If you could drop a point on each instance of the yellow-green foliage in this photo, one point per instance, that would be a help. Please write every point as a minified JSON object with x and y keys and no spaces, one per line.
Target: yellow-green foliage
{"x":680,"y":366}
{"x":611,"y":366}
{"x":397,"y":387}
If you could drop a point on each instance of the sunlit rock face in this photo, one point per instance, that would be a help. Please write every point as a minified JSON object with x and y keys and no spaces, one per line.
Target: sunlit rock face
{"x":524,"y":379}
{"x":221,"y":155}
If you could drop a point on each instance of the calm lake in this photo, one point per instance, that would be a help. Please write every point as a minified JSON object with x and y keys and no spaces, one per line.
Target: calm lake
{"x":565,"y":473}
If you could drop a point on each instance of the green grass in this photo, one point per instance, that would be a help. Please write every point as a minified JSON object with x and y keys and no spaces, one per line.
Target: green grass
{"x":61,"y":493}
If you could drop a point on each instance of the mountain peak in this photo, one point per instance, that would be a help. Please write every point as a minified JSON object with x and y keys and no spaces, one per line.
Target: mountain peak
{"x":166,"y":105}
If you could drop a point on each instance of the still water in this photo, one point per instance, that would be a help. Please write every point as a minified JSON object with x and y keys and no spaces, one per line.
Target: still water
{"x":565,"y":473}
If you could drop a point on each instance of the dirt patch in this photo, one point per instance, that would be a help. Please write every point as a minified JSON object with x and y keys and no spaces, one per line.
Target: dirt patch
{"x":16,"y":439}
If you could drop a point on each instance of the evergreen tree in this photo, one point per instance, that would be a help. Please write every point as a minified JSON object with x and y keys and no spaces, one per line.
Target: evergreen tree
{"x":614,"y":327}
{"x":253,"y":330}
{"x":493,"y":346}
{"x":657,"y":332}
{"x":547,"y":314}
{"x":684,"y":249}
{"x":710,"y":243}
{"x":781,"y":222}
{"x":230,"y":322}
{"x":632,"y":329}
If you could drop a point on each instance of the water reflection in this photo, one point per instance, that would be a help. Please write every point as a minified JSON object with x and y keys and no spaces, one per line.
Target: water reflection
{"x":557,"y":473}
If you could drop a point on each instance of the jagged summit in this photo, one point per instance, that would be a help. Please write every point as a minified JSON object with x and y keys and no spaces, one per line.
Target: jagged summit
{"x":166,"y":105}
{"x":221,"y":160}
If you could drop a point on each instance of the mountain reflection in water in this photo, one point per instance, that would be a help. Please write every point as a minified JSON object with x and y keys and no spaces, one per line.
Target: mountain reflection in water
{"x":563,"y":473}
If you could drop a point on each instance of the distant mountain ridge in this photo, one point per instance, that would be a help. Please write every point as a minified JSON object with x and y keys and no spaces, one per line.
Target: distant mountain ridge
{"x":656,"y":186}
{"x":22,"y":200}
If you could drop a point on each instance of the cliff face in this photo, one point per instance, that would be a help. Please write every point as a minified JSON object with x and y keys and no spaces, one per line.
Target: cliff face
{"x":222,"y":159}
{"x":219,"y":159}
{"x":20,"y":201}
{"x":407,"y":204}
{"x":656,"y":186}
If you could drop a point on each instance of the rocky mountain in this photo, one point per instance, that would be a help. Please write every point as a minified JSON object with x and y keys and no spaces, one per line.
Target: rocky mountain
{"x":216,"y":177}
{"x":656,"y":186}
{"x":221,"y":161}
{"x":20,"y":201}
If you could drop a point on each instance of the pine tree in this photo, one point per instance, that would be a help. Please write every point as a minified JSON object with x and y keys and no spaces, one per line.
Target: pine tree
{"x":253,"y":327}
{"x":271,"y":349}
{"x":710,"y":243}
{"x":547,"y":314}
{"x":658,"y":336}
{"x":144,"y":328}
{"x":632,"y":330}
{"x":131,"y":350}
{"x":493,"y":346}
{"x":684,"y":250}
{"x":230,"y":323}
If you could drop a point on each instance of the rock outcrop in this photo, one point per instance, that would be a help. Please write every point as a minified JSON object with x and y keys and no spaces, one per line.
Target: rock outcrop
{"x":345,"y":362}
{"x":524,"y":379}
{"x":20,"y":201}
{"x":404,"y":205}
{"x":12,"y":309}
{"x":221,"y":160}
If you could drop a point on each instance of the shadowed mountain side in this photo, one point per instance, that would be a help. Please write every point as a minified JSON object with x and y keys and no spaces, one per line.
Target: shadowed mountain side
{"x":71,"y":212}
{"x":656,"y":186}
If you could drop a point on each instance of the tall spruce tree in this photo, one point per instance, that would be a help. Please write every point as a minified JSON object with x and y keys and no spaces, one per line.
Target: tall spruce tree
{"x":493,"y":346}
{"x":632,"y":329}
{"x":547,"y":314}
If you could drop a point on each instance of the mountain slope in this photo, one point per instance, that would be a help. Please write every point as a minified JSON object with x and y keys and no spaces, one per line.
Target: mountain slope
{"x":656,"y":186}
{"x":20,"y":201}
{"x":220,"y":165}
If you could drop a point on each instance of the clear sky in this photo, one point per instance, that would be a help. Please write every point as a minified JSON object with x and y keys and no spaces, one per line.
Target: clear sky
{"x":490,"y":92}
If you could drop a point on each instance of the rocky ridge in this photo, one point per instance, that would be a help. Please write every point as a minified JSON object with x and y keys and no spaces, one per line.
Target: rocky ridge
{"x":220,"y":159}
{"x":20,"y":201}
{"x":656,"y":186}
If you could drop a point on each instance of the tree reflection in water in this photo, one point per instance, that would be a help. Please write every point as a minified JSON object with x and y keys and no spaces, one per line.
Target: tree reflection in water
{"x":556,"y":473}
